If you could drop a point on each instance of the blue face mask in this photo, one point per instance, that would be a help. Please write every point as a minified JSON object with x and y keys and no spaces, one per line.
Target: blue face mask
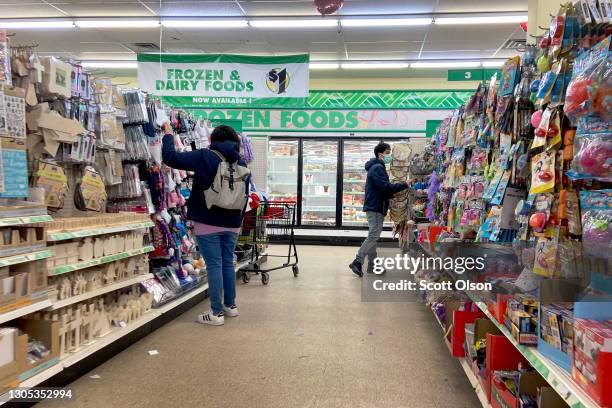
{"x":387,"y":158}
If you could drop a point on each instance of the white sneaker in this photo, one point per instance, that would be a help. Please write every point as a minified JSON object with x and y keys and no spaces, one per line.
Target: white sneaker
{"x":211,"y":318}
{"x":231,"y":311}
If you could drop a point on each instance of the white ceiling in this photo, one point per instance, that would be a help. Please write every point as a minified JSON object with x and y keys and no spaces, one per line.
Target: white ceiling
{"x":377,"y":43}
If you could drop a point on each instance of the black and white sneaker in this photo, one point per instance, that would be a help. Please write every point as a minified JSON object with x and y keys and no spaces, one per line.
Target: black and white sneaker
{"x":231,"y":311}
{"x":356,"y":268}
{"x":211,"y":318}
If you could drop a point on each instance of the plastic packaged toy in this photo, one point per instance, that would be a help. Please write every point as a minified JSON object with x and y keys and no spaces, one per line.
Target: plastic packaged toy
{"x":596,"y":209}
{"x":542,"y":173}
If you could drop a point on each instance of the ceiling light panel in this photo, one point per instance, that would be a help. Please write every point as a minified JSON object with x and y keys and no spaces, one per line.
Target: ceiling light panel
{"x":110,"y":64}
{"x":374,"y":65}
{"x":493,"y":64}
{"x":294,"y":23}
{"x":385,"y":22}
{"x":323,"y":65}
{"x":36,"y":24}
{"x":119,"y":23}
{"x":446,"y":64}
{"x":205,"y":23}
{"x":481,"y":20}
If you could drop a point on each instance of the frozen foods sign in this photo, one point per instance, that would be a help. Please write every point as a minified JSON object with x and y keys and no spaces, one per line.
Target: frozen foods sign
{"x":225,"y":79}
{"x":311,"y":120}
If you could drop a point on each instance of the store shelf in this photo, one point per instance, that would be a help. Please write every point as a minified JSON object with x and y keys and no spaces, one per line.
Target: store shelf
{"x":182,"y":299}
{"x":556,"y":376}
{"x":111,"y":337}
{"x":58,"y":270}
{"x":100,"y":291}
{"x":480,"y":393}
{"x":319,"y":208}
{"x":32,"y":256}
{"x":63,"y":235}
{"x":22,"y":311}
{"x":34,"y":219}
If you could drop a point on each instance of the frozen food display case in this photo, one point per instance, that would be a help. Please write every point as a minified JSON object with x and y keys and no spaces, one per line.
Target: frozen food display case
{"x":283,"y":169}
{"x":325,"y":176}
{"x":319,"y":182}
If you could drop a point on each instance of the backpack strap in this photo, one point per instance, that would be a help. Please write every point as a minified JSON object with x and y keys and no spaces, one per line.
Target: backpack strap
{"x":218,"y":154}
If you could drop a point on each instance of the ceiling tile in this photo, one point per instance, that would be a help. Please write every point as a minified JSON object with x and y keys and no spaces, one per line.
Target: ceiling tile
{"x":28,"y":10}
{"x":112,"y":8}
{"x":383,"y":46}
{"x":383,"y":55}
{"x":387,"y":7}
{"x":381,"y":34}
{"x":457,"y":54}
{"x":471,"y":33}
{"x":450,"y":6}
{"x":279,"y":8}
{"x":483,"y":44}
{"x":196,"y":8}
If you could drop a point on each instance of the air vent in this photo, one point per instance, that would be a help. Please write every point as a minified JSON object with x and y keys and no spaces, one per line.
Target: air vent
{"x":515,"y":44}
{"x":142,"y":47}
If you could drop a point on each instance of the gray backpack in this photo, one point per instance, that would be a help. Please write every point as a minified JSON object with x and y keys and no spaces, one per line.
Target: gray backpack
{"x":230,"y":188}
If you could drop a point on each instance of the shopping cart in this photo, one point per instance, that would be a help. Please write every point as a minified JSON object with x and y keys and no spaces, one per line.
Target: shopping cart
{"x":272,"y":222}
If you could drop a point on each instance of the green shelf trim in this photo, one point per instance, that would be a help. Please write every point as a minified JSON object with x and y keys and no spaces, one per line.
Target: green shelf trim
{"x":534,"y":359}
{"x":60,"y":236}
{"x":6,"y":222}
{"x":32,"y":256}
{"x":58,"y":270}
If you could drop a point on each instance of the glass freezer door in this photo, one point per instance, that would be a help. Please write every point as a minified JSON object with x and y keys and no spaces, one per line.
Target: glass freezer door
{"x":319,"y":177}
{"x":356,"y":154}
{"x":283,"y":169}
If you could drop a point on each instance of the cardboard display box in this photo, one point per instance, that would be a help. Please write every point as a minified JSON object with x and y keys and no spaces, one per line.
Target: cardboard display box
{"x":43,"y":330}
{"x":592,"y":359}
{"x":9,"y":365}
{"x":529,"y":384}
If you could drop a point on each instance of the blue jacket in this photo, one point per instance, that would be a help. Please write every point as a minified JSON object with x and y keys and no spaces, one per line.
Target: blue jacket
{"x":378,"y":189}
{"x":204,"y":163}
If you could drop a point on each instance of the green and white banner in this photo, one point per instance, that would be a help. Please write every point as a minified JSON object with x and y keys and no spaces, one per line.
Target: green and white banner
{"x":225,"y":79}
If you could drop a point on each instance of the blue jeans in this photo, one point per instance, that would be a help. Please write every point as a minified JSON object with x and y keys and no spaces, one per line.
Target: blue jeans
{"x":218,"y":252}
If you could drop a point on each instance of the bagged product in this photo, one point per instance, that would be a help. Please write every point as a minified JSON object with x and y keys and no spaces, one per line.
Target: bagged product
{"x":56,"y":78}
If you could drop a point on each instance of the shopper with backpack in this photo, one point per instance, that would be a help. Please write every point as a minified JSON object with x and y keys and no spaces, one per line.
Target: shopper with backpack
{"x":216,"y":206}
{"x":378,"y":190}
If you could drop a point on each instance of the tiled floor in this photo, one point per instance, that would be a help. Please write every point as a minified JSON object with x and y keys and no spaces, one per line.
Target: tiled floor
{"x":305,"y":342}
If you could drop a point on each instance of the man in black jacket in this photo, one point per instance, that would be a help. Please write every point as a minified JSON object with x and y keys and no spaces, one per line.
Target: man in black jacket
{"x":378,"y":190}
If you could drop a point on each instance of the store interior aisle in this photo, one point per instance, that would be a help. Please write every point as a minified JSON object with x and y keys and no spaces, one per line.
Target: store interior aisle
{"x":305,"y":342}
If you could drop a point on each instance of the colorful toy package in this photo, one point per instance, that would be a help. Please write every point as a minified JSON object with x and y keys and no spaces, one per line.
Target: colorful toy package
{"x":596,"y":207}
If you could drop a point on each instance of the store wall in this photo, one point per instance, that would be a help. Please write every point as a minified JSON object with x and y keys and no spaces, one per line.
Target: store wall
{"x":389,"y":83}
{"x":358,"y":83}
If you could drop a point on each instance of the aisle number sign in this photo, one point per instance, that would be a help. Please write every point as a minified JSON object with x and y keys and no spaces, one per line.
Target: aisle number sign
{"x":476,"y":74}
{"x":225,"y":79}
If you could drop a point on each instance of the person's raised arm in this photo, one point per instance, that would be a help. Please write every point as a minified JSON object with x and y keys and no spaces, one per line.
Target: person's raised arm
{"x":178,"y":160}
{"x":382,"y":182}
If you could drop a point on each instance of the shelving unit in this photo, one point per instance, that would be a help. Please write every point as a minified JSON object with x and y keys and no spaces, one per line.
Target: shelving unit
{"x":116,"y":334}
{"x":22,"y":311}
{"x":556,"y":376}
{"x":63,"y":235}
{"x":559,"y":379}
{"x":100,"y":291}
{"x":32,"y":256}
{"x":34,"y":219}
{"x":58,"y":270}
